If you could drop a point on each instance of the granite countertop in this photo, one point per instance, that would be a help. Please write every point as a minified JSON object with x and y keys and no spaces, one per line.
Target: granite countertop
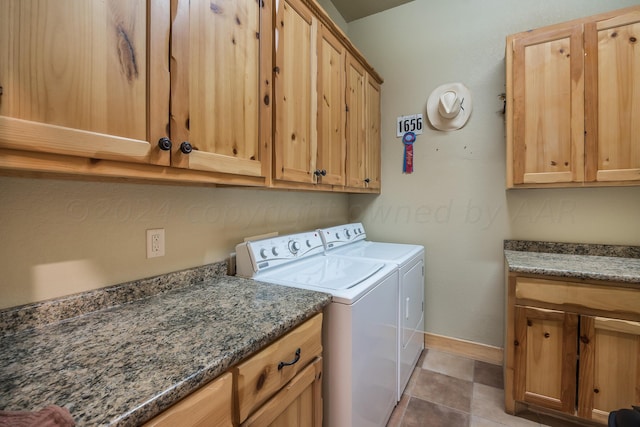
{"x":122,"y":365}
{"x":611,"y":263}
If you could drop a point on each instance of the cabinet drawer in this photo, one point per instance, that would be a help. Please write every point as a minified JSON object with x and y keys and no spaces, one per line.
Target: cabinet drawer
{"x":261,"y":376}
{"x":209,"y":406}
{"x":607,"y":298}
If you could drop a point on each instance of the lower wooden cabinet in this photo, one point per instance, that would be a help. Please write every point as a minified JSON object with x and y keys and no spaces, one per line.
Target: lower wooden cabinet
{"x":545,"y":357}
{"x":609,"y":376}
{"x":298,"y":404}
{"x":572,"y":347}
{"x":281,"y":385}
{"x":210,"y":406}
{"x":280,"y":366}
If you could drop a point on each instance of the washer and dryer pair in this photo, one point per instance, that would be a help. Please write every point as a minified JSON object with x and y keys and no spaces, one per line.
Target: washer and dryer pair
{"x":372,"y":332}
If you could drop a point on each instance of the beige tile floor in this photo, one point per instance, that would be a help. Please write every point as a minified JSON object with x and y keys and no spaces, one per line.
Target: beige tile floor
{"x":453,"y":391}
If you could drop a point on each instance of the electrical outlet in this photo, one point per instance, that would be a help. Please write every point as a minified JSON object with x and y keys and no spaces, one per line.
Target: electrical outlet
{"x":155,"y":242}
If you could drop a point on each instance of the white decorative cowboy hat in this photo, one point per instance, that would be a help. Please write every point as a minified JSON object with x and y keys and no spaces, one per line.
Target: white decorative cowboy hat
{"x":449,"y":106}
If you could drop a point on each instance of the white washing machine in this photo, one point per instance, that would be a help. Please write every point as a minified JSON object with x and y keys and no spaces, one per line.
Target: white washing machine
{"x":348,"y":240}
{"x":359,"y":328}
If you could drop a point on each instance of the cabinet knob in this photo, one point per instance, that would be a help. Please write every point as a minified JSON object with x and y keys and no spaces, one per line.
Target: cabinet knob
{"x":596,"y":390}
{"x":584,"y":339}
{"x":367,"y":180}
{"x":547,"y":335}
{"x":323,"y":172}
{"x":164,"y":144}
{"x":185,"y":147}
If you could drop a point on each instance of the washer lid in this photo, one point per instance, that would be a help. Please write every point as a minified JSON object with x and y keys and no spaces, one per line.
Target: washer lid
{"x":346,"y":279}
{"x":390,"y":252}
{"x":324,"y":273}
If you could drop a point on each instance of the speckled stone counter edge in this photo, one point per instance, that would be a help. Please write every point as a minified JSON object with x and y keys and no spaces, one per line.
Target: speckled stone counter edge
{"x":573,"y":248}
{"x":28,"y":316}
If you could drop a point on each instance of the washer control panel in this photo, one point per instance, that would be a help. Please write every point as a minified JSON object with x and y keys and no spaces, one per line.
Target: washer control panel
{"x":280,"y":250}
{"x":342,"y":234}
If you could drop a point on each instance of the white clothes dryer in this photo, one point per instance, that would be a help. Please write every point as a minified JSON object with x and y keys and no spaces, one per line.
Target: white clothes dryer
{"x":349,"y":240}
{"x":359,"y":326}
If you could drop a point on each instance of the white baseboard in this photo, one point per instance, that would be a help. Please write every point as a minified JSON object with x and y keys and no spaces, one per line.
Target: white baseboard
{"x":470,"y":349}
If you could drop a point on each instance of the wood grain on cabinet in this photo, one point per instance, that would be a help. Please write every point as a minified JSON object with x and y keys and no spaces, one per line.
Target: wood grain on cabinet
{"x":209,"y":406}
{"x":295,"y":78}
{"x":298,"y":404}
{"x":332,"y":150}
{"x":264,"y":374}
{"x":220,"y":71}
{"x":613,"y":91}
{"x":572,"y":346}
{"x":86,"y":79}
{"x":545,"y":362}
{"x":609,"y":366}
{"x":573,"y":93}
{"x":356,"y":124}
{"x":373,"y":142}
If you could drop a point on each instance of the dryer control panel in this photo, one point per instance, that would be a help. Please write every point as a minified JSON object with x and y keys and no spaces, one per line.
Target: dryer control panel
{"x":340,"y":235}
{"x":257,"y":255}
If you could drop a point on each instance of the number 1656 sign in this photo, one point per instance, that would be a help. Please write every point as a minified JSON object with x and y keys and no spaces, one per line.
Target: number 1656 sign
{"x":412,"y":123}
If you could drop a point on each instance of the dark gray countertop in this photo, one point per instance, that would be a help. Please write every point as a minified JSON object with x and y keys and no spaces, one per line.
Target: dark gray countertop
{"x":595,"y":262}
{"x":124,"y":364}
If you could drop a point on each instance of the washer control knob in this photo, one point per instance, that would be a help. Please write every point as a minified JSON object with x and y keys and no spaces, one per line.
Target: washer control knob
{"x":337,"y":236}
{"x":274,"y":251}
{"x":294,"y":246}
{"x":308,"y":243}
{"x":347,"y":232}
{"x":263,"y":253}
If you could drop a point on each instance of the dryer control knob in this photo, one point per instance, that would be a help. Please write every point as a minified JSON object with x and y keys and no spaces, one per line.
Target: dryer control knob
{"x":274,"y":251}
{"x":347,"y":232}
{"x":263,"y":253}
{"x":294,"y":246}
{"x":308,"y":243}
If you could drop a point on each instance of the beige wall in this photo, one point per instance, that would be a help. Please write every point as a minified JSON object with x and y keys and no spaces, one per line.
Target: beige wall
{"x":455,"y":202}
{"x":63,"y":237}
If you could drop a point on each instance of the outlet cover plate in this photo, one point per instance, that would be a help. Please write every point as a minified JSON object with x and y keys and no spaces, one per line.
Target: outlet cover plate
{"x":155,"y":242}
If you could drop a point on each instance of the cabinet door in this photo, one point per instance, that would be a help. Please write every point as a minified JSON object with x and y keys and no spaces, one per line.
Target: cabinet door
{"x":613,"y":95}
{"x":331,"y":109}
{"x":220,"y":86}
{"x":547,"y":145}
{"x":372,"y":138}
{"x":208,"y":407}
{"x":298,"y":404}
{"x":356,"y":123}
{"x":545,"y":358}
{"x":295,"y":75}
{"x":86,"y":79}
{"x":609,"y":366}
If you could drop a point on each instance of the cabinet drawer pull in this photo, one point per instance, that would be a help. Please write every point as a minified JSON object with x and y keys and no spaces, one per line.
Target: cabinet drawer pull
{"x":295,"y":360}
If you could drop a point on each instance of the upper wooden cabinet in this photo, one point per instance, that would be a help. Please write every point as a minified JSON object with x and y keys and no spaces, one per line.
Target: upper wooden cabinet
{"x":309,"y":135}
{"x":612,"y":84}
{"x":238,"y":92}
{"x":363,"y":127}
{"x":571,"y":108}
{"x":332,"y":149}
{"x":327,"y":105}
{"x":221,"y":85}
{"x":86,"y":79}
{"x":295,"y":71}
